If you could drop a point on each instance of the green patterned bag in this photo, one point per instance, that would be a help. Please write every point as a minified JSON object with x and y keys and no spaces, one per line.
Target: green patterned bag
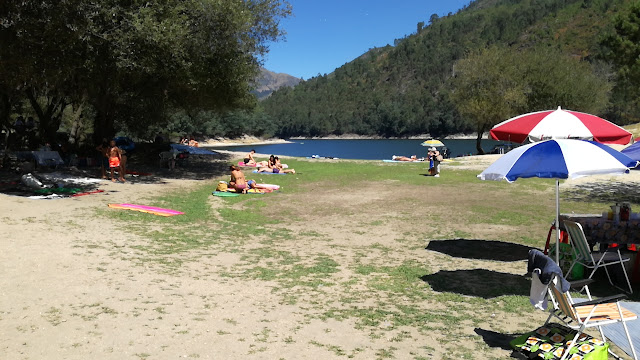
{"x":549,"y":342}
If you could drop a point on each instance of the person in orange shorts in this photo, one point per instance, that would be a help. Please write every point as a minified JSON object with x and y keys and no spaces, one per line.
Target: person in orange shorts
{"x":115,"y":157}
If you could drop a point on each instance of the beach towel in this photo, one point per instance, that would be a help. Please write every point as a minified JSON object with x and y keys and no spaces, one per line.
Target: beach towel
{"x":250,"y":191}
{"x":242,"y":164}
{"x":147,"y":209}
{"x":398,"y":161}
{"x":225,"y":194}
{"x":268,"y":173}
{"x":269,"y":186}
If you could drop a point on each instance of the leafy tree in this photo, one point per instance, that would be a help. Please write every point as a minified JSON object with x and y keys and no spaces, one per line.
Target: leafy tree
{"x":622,"y":48}
{"x":497,"y":83}
{"x":133,"y":60}
{"x":488,"y":88}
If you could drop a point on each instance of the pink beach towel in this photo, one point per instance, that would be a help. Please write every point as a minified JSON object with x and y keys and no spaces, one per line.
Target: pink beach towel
{"x":147,"y":209}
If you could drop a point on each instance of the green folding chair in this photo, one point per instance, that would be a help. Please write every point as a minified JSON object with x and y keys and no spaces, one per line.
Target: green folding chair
{"x":594,"y":260}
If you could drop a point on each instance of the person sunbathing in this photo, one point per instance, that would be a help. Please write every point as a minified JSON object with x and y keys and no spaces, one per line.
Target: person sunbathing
{"x":281,"y":167}
{"x":271,"y":164}
{"x":238,"y":181}
{"x":253,"y":185}
{"x":249,"y":160}
{"x":404,"y":158}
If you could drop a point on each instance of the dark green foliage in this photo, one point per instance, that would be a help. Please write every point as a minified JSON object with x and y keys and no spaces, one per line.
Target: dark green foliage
{"x":622,"y":48}
{"x":132,"y":61}
{"x":404,"y":89}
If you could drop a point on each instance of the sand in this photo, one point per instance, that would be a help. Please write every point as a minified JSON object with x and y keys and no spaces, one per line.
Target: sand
{"x":74,"y":286}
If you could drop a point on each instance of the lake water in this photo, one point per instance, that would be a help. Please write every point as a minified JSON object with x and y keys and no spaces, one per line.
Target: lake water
{"x":362,"y":149}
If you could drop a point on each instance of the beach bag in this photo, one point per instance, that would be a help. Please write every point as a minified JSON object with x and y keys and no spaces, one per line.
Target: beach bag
{"x":550,"y":341}
{"x":439,"y":158}
{"x":222,"y":186}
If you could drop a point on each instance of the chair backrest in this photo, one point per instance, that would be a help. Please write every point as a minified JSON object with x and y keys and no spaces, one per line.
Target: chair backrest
{"x":562,"y":300}
{"x":578,"y":240}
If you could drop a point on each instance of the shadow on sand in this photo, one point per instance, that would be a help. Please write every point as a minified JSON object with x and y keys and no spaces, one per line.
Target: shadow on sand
{"x":480,"y":249}
{"x":478,"y":282}
{"x":143,"y":167}
{"x":498,"y":340}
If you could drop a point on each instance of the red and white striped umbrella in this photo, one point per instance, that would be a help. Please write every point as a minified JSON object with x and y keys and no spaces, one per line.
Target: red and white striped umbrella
{"x":559,"y":124}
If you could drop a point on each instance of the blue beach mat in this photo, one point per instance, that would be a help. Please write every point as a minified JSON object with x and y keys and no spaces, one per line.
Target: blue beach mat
{"x":268,"y":173}
{"x":615,"y":332}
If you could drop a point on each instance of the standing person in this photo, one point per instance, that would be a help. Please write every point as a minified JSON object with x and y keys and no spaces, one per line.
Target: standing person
{"x":431,"y":161}
{"x":238,"y":180}
{"x":103,"y":149}
{"x":437,"y":158}
{"x":115,"y":156}
{"x":123,"y":163}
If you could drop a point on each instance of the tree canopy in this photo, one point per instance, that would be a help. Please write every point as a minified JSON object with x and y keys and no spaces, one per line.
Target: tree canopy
{"x":494,"y":84}
{"x":132,"y":61}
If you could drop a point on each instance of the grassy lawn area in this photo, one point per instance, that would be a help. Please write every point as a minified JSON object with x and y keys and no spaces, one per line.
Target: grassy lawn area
{"x":415,"y":266}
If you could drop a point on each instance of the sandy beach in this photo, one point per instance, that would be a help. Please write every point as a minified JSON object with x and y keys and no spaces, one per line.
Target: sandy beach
{"x":77,"y":284}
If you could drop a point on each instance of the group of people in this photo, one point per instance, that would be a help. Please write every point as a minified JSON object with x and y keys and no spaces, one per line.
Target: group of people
{"x":239,"y":183}
{"x":189,"y":141}
{"x":273,"y":165}
{"x":112,"y":158}
{"x":433,"y":156}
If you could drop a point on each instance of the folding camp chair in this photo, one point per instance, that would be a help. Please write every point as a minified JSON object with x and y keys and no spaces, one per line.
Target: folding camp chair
{"x":588,"y":259}
{"x":592,"y":313}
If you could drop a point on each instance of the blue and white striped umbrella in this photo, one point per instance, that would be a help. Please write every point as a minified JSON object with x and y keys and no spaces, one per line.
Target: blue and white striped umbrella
{"x":558,"y":159}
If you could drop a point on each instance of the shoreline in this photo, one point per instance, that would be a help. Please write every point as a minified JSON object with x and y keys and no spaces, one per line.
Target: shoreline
{"x":252,"y":140}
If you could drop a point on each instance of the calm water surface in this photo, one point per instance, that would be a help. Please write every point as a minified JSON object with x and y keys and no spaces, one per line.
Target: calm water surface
{"x":362,"y":149}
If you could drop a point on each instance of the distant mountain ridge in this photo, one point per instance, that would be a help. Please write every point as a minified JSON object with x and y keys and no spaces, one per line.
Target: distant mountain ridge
{"x":404,"y":89}
{"x":269,"y":81}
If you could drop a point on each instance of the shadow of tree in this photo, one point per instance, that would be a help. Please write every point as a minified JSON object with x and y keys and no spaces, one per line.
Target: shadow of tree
{"x":478,"y":282}
{"x":608,"y":193}
{"x":144,"y":163}
{"x":480,"y":249}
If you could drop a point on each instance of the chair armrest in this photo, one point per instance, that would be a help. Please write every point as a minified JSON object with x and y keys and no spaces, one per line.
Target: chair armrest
{"x":577,"y":284}
{"x":604,"y":300}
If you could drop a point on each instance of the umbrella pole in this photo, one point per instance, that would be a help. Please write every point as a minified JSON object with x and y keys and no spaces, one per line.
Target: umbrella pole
{"x":558,"y":221}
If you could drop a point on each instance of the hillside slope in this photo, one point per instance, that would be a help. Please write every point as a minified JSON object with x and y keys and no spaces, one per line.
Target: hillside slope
{"x":402,"y":90}
{"x":269,"y":81}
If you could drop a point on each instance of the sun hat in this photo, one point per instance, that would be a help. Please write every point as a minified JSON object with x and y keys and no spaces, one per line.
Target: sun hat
{"x":432,"y":149}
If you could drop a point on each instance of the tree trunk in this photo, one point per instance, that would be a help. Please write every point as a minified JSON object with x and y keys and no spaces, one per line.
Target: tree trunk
{"x":479,"y":140}
{"x":103,"y":122}
{"x":5,"y":111}
{"x":49,"y":117}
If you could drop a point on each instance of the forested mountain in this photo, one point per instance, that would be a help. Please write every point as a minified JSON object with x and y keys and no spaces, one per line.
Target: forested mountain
{"x":405,"y":89}
{"x":268,"y":82}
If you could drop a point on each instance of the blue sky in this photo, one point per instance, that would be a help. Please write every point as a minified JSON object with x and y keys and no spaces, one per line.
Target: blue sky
{"x":323,"y":35}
